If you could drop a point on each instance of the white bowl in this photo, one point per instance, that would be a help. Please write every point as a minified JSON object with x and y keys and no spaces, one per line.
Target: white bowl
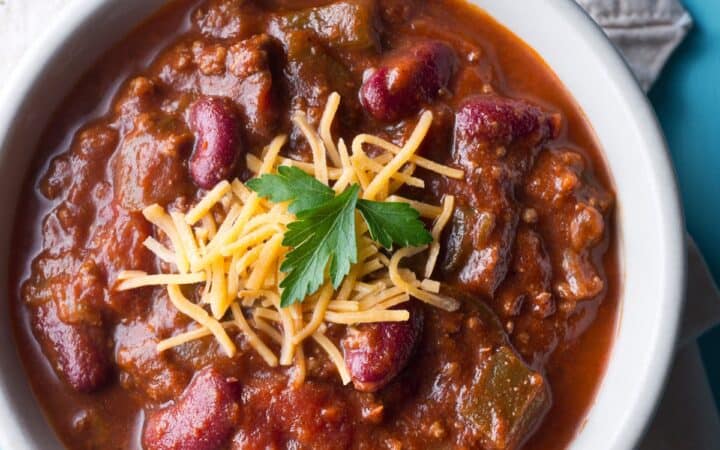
{"x":650,"y":218}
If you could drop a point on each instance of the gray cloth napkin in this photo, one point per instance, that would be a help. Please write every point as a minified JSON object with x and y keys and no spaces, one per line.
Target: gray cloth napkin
{"x":687,"y":417}
{"x":646,"y":32}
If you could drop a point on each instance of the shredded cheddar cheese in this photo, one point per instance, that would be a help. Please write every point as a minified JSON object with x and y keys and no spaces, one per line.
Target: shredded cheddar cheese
{"x":231,"y":241}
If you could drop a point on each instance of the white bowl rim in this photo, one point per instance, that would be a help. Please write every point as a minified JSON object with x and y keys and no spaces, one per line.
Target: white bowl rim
{"x":641,"y":412}
{"x":24,"y":77}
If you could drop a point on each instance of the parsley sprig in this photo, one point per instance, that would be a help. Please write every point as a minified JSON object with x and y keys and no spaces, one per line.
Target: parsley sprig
{"x":324,"y":232}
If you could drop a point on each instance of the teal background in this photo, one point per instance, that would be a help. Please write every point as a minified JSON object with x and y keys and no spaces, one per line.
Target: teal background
{"x":687,"y":100}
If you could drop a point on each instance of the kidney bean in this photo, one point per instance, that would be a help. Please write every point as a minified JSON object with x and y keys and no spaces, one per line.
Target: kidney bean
{"x":411,"y":78}
{"x":202,"y":418}
{"x":376,"y":353}
{"x":76,"y":351}
{"x":494,"y":120}
{"x":218,"y":146}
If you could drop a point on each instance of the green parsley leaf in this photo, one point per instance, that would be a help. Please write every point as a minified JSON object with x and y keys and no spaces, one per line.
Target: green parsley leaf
{"x":394,"y":223}
{"x":324,"y":233}
{"x":292,"y":184}
{"x":320,"y":235}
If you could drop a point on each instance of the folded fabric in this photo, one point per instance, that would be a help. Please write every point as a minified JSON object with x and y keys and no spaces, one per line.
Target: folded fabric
{"x":645,"y":31}
{"x":702,"y":299}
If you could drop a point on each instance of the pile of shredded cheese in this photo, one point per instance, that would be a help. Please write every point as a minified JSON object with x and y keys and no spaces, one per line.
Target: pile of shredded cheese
{"x":231,"y":243}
